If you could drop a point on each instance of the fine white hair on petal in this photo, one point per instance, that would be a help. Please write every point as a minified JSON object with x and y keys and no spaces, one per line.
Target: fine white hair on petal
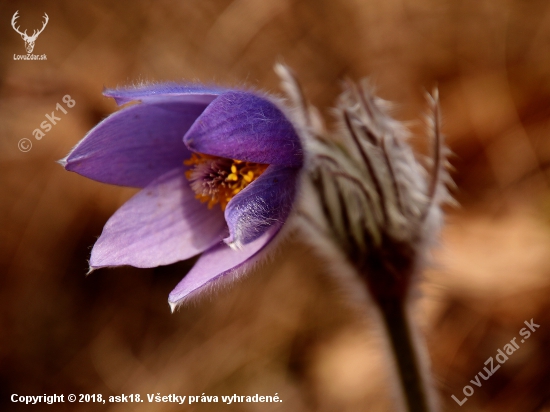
{"x":256,"y":218}
{"x":229,"y":278}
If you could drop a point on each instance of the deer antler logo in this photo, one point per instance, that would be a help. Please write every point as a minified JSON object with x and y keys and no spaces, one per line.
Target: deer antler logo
{"x":29,"y":40}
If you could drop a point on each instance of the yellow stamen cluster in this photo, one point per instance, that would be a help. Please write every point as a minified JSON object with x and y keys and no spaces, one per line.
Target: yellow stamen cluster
{"x":217,"y":179}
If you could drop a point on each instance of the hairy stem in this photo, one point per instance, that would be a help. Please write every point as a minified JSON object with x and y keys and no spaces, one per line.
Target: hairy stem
{"x":403,"y":347}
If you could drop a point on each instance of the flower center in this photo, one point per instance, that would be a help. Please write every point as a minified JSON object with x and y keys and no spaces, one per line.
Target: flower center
{"x":217,"y":179}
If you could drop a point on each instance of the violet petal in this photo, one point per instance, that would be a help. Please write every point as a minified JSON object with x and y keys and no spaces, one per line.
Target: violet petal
{"x":244,"y":126}
{"x":161,"y":224}
{"x":216,"y":263}
{"x":135,"y":145}
{"x":264,"y":203}
{"x":186,"y":92}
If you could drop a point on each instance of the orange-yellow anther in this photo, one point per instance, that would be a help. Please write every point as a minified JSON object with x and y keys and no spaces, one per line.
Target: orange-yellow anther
{"x":217,"y":180}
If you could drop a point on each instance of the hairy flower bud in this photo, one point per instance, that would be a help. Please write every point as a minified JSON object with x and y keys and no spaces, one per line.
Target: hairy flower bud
{"x":376,"y":203}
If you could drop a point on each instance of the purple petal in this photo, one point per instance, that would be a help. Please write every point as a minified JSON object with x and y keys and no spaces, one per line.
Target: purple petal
{"x":161,"y":224}
{"x":216,"y":263}
{"x":263,"y":204}
{"x":186,"y":92}
{"x":244,"y":126}
{"x":135,"y":145}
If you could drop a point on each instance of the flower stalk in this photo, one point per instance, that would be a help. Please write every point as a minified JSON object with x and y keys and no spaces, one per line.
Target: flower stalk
{"x":405,"y":352}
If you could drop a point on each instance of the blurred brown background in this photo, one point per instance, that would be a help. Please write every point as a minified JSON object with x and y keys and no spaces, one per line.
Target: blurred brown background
{"x":289,"y":328}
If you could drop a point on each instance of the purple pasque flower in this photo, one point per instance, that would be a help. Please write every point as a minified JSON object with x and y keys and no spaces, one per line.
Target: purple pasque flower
{"x":218,"y":169}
